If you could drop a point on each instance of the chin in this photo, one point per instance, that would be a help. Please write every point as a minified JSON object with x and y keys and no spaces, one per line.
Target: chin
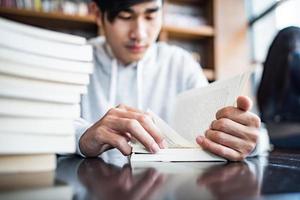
{"x":135,"y":58}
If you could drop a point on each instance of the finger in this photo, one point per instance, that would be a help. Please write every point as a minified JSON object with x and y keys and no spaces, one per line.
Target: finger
{"x":235,"y":129}
{"x":219,"y":149}
{"x":146,"y":121}
{"x":239,"y":116}
{"x":115,"y":140}
{"x":132,"y":126}
{"x":128,"y":108}
{"x":230,"y":141}
{"x":244,"y":103}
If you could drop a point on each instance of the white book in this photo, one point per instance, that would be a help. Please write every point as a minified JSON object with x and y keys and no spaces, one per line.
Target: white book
{"x":40,"y":32}
{"x":26,"y":108}
{"x":12,"y":144}
{"x":17,"y":68}
{"x":194,"y":111}
{"x":39,"y":46}
{"x":27,"y":163}
{"x":40,"y":126}
{"x":50,"y":86}
{"x":45,"y":61}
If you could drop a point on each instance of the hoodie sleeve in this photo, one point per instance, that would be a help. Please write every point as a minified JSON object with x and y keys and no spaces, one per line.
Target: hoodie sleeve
{"x":80,"y":126}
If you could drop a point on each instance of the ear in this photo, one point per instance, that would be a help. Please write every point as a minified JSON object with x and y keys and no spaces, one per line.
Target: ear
{"x":95,"y":11}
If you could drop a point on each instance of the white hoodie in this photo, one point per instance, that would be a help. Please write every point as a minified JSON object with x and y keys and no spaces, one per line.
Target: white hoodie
{"x":153,"y":83}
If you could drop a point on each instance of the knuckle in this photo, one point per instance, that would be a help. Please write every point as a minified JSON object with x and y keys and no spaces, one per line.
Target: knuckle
{"x":220,"y":124}
{"x":111,"y":111}
{"x":205,"y":144}
{"x":256,"y":121}
{"x":238,"y":157}
{"x":227,"y":111}
{"x":119,"y":143}
{"x":217,"y":136}
{"x":143,"y":119}
{"x":251,"y":148}
{"x":121,"y":105}
{"x":132,"y":124}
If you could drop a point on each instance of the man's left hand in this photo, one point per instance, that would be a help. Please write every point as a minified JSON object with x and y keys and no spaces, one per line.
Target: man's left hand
{"x":234,"y":133}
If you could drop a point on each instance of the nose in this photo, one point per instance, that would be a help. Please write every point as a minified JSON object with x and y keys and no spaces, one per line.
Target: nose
{"x":138,"y":30}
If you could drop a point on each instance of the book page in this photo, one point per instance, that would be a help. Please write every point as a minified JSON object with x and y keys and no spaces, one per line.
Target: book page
{"x":196,"y":109}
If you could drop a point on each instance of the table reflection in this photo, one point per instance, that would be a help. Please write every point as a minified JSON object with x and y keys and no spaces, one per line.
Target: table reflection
{"x":107,"y":181}
{"x":232,"y":181}
{"x":168,"y":180}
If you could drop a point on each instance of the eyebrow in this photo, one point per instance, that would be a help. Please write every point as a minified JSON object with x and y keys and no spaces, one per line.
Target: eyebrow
{"x":148,"y":10}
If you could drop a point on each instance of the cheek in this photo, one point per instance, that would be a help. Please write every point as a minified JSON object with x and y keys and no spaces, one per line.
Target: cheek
{"x":154,"y":29}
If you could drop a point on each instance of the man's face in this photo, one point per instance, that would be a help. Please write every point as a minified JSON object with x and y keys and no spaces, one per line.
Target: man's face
{"x":134,"y":30}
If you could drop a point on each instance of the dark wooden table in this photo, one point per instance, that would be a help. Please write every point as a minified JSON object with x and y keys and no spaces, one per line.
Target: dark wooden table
{"x":275,"y":177}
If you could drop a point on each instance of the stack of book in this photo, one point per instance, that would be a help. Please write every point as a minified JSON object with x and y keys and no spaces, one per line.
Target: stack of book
{"x":42,"y":75}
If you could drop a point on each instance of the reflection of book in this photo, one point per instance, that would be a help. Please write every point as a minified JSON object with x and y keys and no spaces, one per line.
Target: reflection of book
{"x":194,"y":111}
{"x":16,"y":181}
{"x":27,"y":163}
{"x":56,"y":191}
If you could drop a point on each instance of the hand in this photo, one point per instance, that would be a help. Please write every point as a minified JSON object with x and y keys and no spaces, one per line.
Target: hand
{"x":233,"y":135}
{"x":117,"y":128}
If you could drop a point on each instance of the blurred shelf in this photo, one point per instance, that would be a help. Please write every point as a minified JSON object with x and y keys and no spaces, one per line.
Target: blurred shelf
{"x":53,"y":20}
{"x":195,"y":32}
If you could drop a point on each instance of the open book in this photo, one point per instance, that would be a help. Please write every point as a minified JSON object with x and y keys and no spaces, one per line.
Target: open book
{"x":193,"y":113}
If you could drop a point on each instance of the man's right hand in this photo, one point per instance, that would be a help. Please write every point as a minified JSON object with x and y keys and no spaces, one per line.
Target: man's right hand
{"x":118,"y":126}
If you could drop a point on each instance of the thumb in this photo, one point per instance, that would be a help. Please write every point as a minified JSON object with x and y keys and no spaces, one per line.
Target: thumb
{"x":244,"y":103}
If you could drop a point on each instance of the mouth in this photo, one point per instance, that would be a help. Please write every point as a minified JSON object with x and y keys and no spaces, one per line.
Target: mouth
{"x":136,"y":48}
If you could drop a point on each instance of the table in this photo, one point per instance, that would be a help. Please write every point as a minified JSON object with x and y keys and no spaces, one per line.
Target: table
{"x":273,"y":177}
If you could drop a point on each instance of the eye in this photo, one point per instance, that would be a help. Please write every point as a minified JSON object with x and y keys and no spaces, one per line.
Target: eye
{"x":125,"y":15}
{"x":151,"y":16}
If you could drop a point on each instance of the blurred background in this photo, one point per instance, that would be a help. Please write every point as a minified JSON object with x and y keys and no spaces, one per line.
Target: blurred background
{"x":226,"y":37}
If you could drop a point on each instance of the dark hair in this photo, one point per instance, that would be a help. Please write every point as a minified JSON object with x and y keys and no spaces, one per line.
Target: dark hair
{"x":279,"y":69}
{"x":111,"y":8}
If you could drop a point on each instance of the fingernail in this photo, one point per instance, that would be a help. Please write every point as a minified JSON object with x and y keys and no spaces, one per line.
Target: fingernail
{"x":163,"y":144}
{"x":155,"y":148}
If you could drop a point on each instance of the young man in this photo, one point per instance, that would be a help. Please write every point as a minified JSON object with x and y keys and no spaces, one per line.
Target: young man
{"x":133,"y":73}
